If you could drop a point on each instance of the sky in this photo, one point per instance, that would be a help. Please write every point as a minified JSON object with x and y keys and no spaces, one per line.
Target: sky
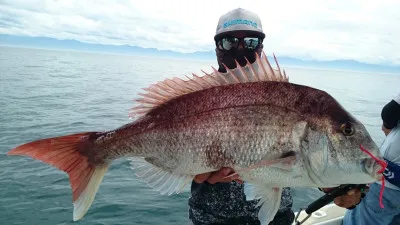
{"x":365,"y":30}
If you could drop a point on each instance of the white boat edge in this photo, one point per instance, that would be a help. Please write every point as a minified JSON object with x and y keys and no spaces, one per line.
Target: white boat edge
{"x":330,"y":214}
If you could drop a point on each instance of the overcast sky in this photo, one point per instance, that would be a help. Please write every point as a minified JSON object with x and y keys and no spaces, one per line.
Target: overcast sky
{"x":364,"y":30}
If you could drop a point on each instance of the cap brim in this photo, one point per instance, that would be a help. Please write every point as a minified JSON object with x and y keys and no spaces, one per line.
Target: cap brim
{"x":255,"y":33}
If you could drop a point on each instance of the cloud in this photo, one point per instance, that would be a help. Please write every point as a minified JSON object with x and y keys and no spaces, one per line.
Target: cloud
{"x":363,"y":30}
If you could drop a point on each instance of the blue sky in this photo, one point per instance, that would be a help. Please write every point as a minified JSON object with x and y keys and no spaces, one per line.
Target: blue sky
{"x":366,"y":31}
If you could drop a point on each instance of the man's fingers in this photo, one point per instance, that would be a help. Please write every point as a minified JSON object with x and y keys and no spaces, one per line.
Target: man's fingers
{"x":349,"y":200}
{"x":239,"y":181}
{"x":352,"y":192}
{"x":327,"y":189}
{"x":200,"y":178}
{"x":338,"y":202}
{"x":220,"y":176}
{"x":344,"y":201}
{"x":217,"y":176}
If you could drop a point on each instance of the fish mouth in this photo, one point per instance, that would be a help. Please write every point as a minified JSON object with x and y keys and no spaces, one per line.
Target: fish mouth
{"x":372,"y":167}
{"x":375,"y":165}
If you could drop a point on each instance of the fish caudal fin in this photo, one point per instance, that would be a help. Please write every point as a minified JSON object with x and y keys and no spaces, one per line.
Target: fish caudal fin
{"x":65,"y":153}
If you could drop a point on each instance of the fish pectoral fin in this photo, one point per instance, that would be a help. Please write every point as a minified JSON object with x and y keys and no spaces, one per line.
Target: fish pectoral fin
{"x":285,"y":163}
{"x":269,"y":200}
{"x":160,"y":180}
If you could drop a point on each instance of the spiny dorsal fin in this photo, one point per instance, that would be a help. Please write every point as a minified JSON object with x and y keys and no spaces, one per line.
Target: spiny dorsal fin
{"x":161,"y":92}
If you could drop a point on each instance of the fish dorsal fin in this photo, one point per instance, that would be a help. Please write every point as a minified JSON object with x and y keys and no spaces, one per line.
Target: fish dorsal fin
{"x":161,"y":92}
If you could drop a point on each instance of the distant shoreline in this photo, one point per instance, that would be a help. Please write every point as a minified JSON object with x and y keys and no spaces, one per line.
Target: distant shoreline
{"x":284,"y":64}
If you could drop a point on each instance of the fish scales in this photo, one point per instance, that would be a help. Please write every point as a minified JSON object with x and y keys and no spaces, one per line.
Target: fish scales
{"x":240,"y":123}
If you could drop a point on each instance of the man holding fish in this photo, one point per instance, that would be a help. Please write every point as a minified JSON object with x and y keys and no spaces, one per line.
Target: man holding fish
{"x":216,"y":199}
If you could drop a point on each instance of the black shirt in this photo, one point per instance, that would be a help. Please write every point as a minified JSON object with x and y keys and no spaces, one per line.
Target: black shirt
{"x":225,"y":203}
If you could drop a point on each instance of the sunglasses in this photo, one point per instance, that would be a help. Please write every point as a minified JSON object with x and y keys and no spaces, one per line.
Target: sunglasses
{"x":228,"y":43}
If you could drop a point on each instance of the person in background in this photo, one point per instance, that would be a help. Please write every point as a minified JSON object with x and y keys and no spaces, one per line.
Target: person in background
{"x":368,"y":211}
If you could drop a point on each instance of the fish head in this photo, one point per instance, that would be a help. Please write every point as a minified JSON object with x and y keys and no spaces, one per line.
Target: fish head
{"x":338,"y":145}
{"x":347,"y":141}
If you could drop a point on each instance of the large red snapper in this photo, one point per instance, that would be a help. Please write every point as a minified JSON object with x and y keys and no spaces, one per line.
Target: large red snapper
{"x":272,"y":132}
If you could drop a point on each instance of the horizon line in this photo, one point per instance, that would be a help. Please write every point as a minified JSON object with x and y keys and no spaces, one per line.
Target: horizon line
{"x":195,"y":53}
{"x":308,"y":67}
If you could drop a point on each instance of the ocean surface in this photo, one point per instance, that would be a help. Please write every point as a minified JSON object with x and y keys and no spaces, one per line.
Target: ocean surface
{"x":45,"y":93}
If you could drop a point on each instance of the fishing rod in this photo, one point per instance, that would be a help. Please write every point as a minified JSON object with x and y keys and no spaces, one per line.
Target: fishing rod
{"x":326,"y":199}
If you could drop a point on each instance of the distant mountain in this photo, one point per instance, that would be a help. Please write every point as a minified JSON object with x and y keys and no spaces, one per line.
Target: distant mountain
{"x":51,"y":43}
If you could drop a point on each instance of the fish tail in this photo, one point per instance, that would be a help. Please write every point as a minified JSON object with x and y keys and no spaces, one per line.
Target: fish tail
{"x":68,"y":153}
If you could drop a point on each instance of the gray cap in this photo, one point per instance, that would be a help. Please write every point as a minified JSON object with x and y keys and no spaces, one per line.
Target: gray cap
{"x":239,"y":20}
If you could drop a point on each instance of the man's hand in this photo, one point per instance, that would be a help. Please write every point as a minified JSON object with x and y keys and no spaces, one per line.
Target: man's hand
{"x":352,"y":198}
{"x":217,"y":176}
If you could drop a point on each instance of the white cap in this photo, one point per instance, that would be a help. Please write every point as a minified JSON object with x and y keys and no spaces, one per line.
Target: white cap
{"x":239,"y":20}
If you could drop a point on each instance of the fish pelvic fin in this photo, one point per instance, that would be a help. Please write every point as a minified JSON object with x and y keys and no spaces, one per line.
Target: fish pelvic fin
{"x":269,"y":200}
{"x":65,"y":154}
{"x":161,"y":92}
{"x":162,"y":181}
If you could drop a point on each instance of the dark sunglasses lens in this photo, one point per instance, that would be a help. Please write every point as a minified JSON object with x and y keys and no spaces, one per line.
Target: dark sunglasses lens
{"x":251,"y":42}
{"x":229,"y":43}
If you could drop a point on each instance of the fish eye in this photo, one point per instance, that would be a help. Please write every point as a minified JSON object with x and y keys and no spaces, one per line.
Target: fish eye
{"x":347,"y":129}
